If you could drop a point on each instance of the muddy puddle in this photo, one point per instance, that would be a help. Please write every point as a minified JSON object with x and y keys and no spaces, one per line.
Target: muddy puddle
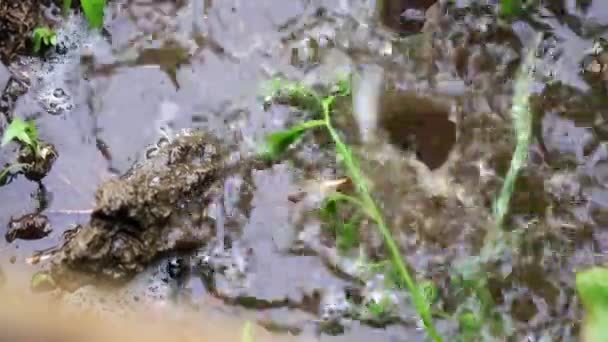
{"x":138,"y":198}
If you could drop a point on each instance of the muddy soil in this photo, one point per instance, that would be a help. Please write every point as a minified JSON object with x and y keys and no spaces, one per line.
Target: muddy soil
{"x":18,"y":19}
{"x":436,"y":146}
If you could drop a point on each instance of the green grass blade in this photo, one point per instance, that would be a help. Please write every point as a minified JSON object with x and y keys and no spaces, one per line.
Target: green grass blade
{"x":521,"y":114}
{"x":351,"y":165}
{"x":510,"y":8}
{"x":37,"y":44}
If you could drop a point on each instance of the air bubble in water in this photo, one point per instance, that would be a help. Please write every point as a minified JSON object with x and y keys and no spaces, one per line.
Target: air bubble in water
{"x":56,"y":101}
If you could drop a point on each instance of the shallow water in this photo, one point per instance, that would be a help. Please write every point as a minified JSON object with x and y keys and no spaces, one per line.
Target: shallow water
{"x":441,"y":147}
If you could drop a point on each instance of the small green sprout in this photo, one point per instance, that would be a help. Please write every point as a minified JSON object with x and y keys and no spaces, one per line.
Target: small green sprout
{"x":378,"y":310}
{"x":67,"y":4}
{"x":514,"y":8}
{"x":429,"y":290}
{"x":24,"y":132}
{"x":346,"y":231}
{"x":470,"y":324}
{"x":43,"y":36}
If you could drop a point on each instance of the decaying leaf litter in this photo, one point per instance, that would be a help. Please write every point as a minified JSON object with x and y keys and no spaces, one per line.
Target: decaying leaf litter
{"x":517,"y":281}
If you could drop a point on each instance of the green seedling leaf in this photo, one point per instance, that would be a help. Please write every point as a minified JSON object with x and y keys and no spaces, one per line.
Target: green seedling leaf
{"x":67,"y":4}
{"x":379,"y":309}
{"x":10,"y":170}
{"x":394,"y":279}
{"x":94,"y":11}
{"x":37,"y":43}
{"x":344,"y":86}
{"x":510,"y":8}
{"x":347,"y":235}
{"x":43,"y":35}
{"x":292,"y":94}
{"x":592,"y":288}
{"x":470,"y":324}
{"x":429,"y":290}
{"x":278,"y":142}
{"x":22,"y":131}
{"x":329,"y":210}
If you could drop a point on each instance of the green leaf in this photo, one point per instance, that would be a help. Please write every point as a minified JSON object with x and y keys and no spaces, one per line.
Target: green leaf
{"x":510,"y":8}
{"x":94,"y":11}
{"x":278,"y":142}
{"x":592,"y":288}
{"x":22,"y":131}
{"x":67,"y":4}
{"x":347,"y":235}
{"x":429,"y":290}
{"x":379,"y":309}
{"x":293,"y":94}
{"x":394,"y":279}
{"x":329,"y":210}
{"x":469,"y":323}
{"x":43,"y":35}
{"x":343,"y":86}
{"x":37,"y":43}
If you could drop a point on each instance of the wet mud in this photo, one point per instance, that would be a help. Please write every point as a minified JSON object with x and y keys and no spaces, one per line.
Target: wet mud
{"x":18,"y":19}
{"x":190,"y":221}
{"x":157,"y":207}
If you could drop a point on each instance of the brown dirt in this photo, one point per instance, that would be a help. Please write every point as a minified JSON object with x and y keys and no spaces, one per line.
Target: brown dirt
{"x":18,"y":18}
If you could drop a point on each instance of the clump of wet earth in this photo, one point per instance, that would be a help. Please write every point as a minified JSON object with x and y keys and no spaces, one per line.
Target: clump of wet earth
{"x":18,"y":19}
{"x":195,"y":220}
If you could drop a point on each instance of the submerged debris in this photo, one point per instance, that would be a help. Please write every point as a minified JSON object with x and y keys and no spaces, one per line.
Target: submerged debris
{"x":37,"y":164}
{"x":28,"y":227}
